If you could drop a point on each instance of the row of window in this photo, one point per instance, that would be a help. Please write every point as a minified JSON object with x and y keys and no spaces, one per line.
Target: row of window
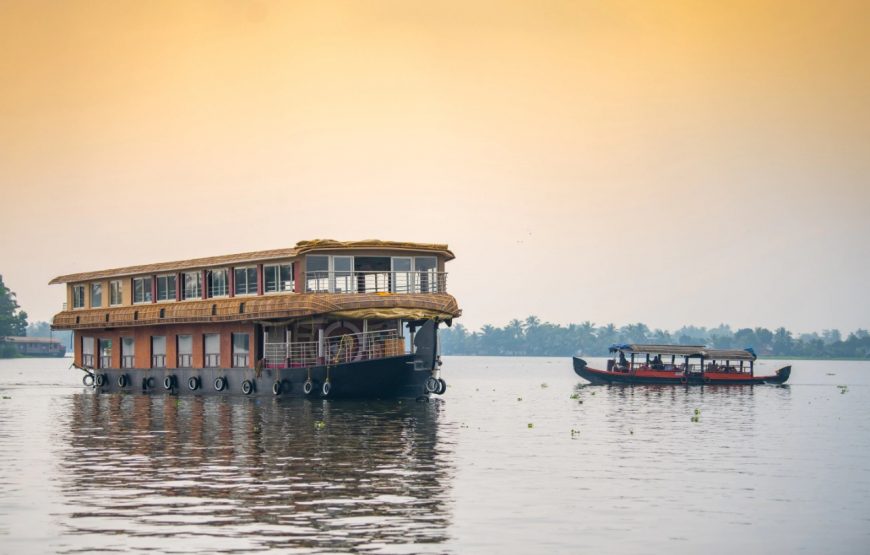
{"x":211,"y":351}
{"x":276,"y":278}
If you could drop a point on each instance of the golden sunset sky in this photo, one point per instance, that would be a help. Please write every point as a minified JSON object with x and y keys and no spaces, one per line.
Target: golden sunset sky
{"x":667,"y":162}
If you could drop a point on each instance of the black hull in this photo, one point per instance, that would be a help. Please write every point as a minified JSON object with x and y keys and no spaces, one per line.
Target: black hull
{"x":393,"y":377}
{"x":601,"y":377}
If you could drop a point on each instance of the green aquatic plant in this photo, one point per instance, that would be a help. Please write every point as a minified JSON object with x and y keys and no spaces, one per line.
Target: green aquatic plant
{"x":843,"y":388}
{"x":319,"y":424}
{"x":531,"y":425}
{"x":544,"y":386}
{"x":575,"y":396}
{"x":697,"y":412}
{"x":519,"y":398}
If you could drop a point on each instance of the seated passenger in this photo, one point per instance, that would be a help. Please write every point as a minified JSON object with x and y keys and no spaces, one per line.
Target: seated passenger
{"x":657,"y":363}
{"x":623,"y":363}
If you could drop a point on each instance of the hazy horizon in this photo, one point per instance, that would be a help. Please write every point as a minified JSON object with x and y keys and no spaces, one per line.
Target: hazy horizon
{"x":670,"y":163}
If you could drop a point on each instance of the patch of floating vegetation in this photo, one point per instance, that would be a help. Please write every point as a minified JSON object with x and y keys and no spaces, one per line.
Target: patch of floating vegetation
{"x":531,"y":425}
{"x":544,"y":386}
{"x":843,"y":388}
{"x":697,"y":416}
{"x":319,"y":424}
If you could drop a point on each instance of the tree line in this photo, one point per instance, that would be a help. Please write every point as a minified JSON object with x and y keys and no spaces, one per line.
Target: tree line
{"x":531,"y":337}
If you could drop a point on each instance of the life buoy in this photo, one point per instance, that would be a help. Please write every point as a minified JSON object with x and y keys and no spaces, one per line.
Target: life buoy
{"x":247,"y":387}
{"x":326,"y":388}
{"x":122,"y":380}
{"x":193,"y":383}
{"x":276,"y":388}
{"x":308,"y":387}
{"x":432,"y":385}
{"x":88,"y":380}
{"x":220,"y":384}
{"x":169,"y":382}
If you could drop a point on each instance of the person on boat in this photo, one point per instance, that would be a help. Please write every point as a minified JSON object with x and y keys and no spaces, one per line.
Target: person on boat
{"x":623,"y":363}
{"x":712,"y":367}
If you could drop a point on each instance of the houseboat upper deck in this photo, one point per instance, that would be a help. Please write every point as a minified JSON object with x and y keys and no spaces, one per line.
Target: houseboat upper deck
{"x":335,"y":318}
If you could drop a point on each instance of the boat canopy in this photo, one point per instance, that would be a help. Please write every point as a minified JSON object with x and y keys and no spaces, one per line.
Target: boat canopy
{"x":686,"y":351}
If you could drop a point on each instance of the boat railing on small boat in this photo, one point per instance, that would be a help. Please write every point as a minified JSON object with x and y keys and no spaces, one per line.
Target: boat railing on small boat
{"x":678,"y":364}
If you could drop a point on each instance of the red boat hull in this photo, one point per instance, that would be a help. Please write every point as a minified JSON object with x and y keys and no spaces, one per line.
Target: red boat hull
{"x":663,"y":377}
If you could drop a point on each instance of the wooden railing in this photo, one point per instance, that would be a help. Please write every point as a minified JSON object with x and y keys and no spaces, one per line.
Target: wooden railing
{"x":376,"y":282}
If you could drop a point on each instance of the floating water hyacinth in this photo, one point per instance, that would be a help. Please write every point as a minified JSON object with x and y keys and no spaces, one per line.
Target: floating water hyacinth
{"x":531,"y":425}
{"x":544,"y":386}
{"x":319,"y":424}
{"x":575,"y":396}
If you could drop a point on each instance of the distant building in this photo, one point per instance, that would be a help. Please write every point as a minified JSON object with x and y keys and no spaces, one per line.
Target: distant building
{"x":35,"y":346}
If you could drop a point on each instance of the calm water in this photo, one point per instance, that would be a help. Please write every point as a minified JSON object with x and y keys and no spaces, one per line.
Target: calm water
{"x":491,"y":467}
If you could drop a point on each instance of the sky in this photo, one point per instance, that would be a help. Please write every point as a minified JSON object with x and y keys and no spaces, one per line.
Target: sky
{"x":669,"y":162}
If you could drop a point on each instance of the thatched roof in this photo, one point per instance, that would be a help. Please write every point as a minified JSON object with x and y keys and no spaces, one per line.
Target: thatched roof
{"x":240,"y":309}
{"x":685,"y":350}
{"x":250,"y":257}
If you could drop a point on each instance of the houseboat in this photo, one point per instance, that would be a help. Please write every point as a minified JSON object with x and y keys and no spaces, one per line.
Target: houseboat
{"x":324,"y":318}
{"x":678,"y":365}
{"x":36,"y":347}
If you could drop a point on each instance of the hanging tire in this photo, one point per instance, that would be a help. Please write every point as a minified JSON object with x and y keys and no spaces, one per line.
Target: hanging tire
{"x":88,"y":380}
{"x":308,"y":387}
{"x":123,"y":381}
{"x":193,"y":383}
{"x":326,"y":388}
{"x":442,"y":386}
{"x":247,"y":387}
{"x":148,"y":383}
{"x":276,"y":388}
{"x":169,"y":382}
{"x":432,"y":385}
{"x":220,"y":384}
{"x":101,"y":380}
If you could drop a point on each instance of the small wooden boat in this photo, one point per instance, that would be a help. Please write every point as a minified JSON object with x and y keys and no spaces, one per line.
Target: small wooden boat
{"x":678,"y":365}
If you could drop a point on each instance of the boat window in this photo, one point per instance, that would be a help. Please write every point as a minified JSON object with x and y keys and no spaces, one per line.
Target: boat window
{"x":158,"y":351}
{"x":401,"y":278}
{"x":115,"y":292}
{"x":192,"y":285}
{"x":184,"y":345}
{"x":245,"y":280}
{"x":216,"y":281}
{"x":426,"y":274}
{"x":317,"y":273}
{"x":278,"y":277}
{"x":166,"y":288}
{"x":343,"y":269}
{"x":88,"y":352}
{"x":212,"y":349}
{"x":78,"y":296}
{"x":105,"y":353}
{"x":142,"y":290}
{"x":96,"y":295}
{"x":241,"y":350}
{"x":128,"y":351}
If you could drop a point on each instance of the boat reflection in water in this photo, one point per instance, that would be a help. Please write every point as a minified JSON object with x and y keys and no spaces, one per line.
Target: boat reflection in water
{"x":220,"y":474}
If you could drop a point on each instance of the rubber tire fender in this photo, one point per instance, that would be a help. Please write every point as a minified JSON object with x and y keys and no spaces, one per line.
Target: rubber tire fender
{"x":442,"y":386}
{"x":308,"y":387}
{"x":123,"y":381}
{"x":247,"y":387}
{"x":149,"y":382}
{"x":169,"y":382}
{"x":220,"y":383}
{"x":326,"y":389}
{"x":101,"y":380}
{"x":432,"y":385}
{"x":194,"y":383}
{"x":276,"y":387}
{"x":88,"y":380}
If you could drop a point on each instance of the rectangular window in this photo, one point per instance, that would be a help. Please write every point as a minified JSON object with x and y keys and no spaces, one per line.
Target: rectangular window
{"x":278,"y":277}
{"x":246,"y":281}
{"x":88,"y":351}
{"x":78,"y":296}
{"x":426,"y":270}
{"x":184,"y":345}
{"x":342,"y":274}
{"x":128,"y":352}
{"x":158,"y":351}
{"x":317,"y":273}
{"x":241,"y":350}
{"x":142,"y":290}
{"x":115,"y":297}
{"x":96,"y":295}
{"x":401,"y":278}
{"x":217,"y":283}
{"x":212,"y":350}
{"x":192,"y":285}
{"x":105,"y":353}
{"x":166,"y":288}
